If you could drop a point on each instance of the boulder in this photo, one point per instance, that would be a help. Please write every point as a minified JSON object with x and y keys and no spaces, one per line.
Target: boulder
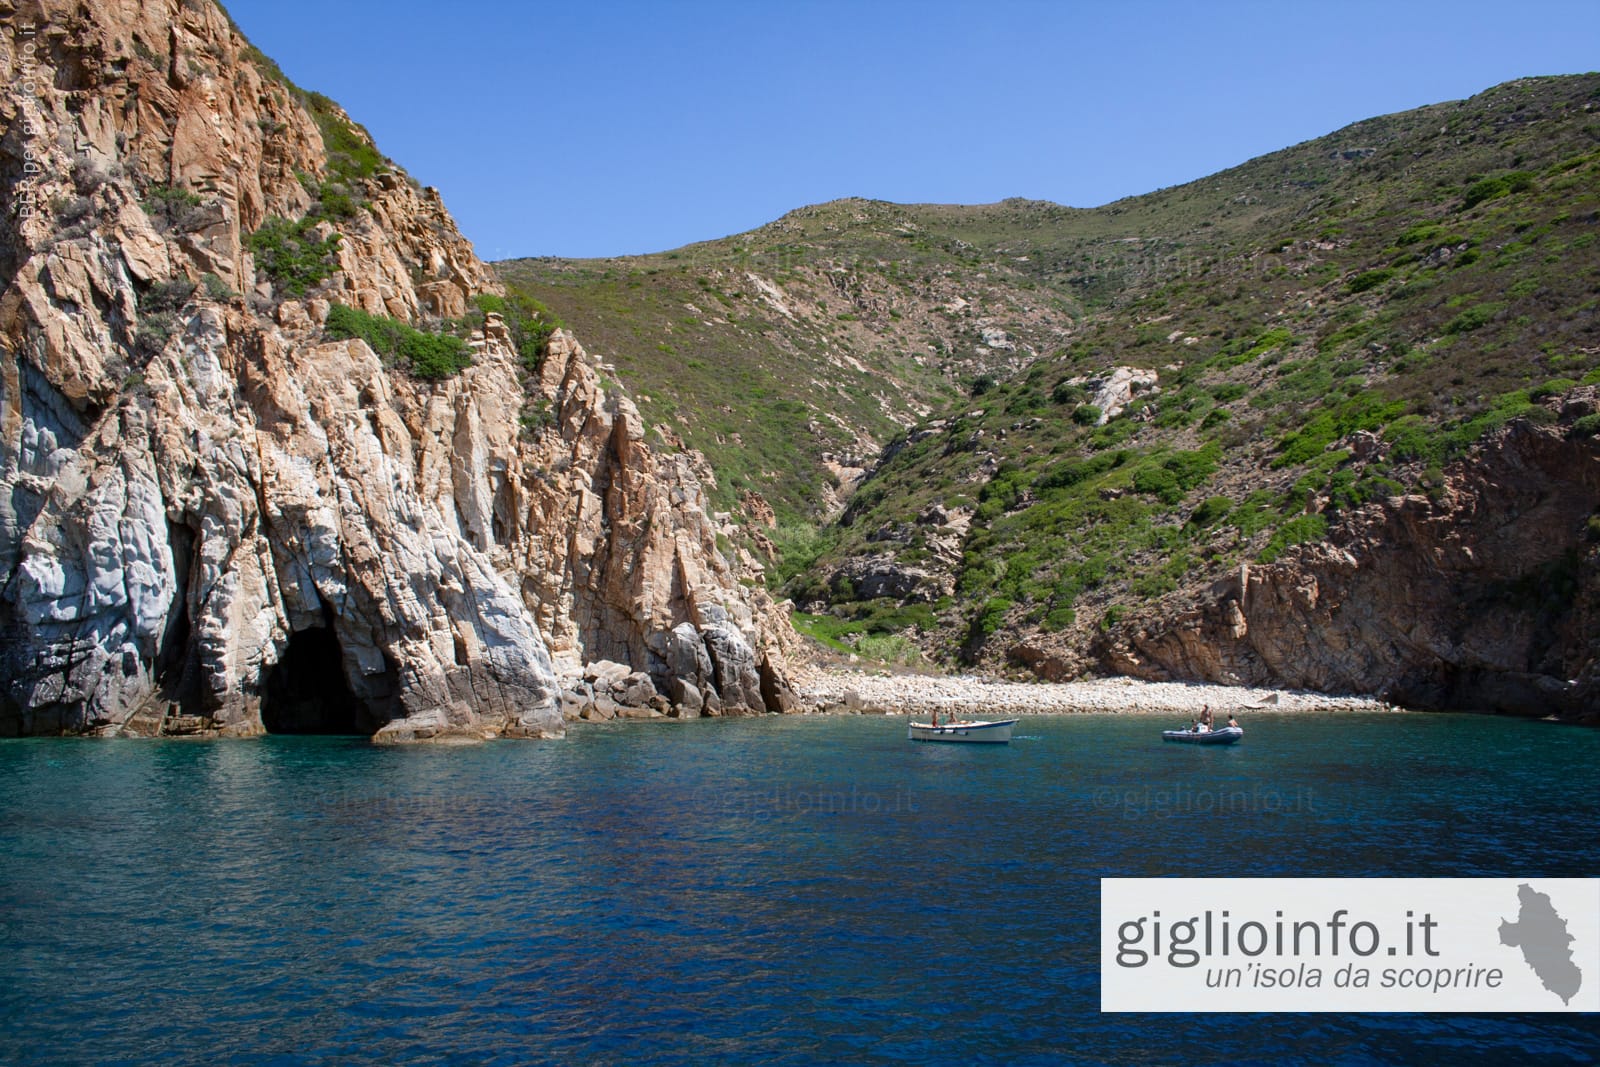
{"x":573,"y":705}
{"x":638,"y":690}
{"x":733,"y":662}
{"x":606,"y":674}
{"x":686,"y":697}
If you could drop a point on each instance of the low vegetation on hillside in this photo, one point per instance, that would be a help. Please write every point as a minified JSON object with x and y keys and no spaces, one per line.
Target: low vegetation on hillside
{"x":790,"y":354}
{"x":1327,"y":325}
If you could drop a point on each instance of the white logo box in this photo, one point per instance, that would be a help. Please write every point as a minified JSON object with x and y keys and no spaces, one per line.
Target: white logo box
{"x":1350,"y":944}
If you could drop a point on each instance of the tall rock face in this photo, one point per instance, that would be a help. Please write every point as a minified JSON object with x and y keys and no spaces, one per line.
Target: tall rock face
{"x":214,"y":516}
{"x":1485,"y":595}
{"x":617,"y":550}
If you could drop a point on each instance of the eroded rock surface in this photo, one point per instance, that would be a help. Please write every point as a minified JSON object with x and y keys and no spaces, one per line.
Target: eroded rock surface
{"x":199,"y":492}
{"x":1482,"y":597}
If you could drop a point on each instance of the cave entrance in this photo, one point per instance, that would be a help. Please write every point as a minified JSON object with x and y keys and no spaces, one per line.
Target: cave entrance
{"x":306,"y":692}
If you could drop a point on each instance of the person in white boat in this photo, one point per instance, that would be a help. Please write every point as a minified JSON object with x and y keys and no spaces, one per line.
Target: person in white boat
{"x":1232,"y":722}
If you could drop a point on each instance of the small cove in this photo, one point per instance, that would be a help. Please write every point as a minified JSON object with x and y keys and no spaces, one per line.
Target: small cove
{"x":782,"y":889}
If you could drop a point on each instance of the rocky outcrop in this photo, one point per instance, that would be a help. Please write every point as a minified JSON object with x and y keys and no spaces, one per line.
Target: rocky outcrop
{"x":1113,"y":392}
{"x":1485,"y":596}
{"x":933,"y":540}
{"x":618,"y":553}
{"x":880,"y":575}
{"x":215,"y":518}
{"x":608,"y":690}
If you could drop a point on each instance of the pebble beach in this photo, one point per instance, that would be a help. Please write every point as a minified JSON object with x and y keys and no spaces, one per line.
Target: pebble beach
{"x":832,"y":690}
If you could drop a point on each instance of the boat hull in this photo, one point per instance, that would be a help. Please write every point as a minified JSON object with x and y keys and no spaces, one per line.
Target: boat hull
{"x":996,"y":732}
{"x":1227,"y":735}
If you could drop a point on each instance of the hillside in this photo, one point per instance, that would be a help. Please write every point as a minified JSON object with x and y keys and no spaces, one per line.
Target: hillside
{"x":1311,"y":343}
{"x":788,"y":355}
{"x":839,"y":324}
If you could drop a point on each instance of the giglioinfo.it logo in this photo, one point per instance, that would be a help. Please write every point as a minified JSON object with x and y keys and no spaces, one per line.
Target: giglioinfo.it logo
{"x":1350,"y":944}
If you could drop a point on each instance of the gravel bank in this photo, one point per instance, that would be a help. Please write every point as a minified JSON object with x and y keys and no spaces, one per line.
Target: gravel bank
{"x":838,"y":690}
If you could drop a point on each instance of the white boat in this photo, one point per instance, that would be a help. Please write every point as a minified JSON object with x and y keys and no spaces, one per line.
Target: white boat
{"x":996,"y":731}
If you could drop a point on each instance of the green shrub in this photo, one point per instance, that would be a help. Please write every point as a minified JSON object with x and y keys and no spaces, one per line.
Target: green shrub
{"x":336,"y":202}
{"x":1159,"y":482}
{"x":1413,"y":437}
{"x":1067,"y":393}
{"x":531,"y":323}
{"x":433,"y":356}
{"x":1256,"y":512}
{"x":429,"y":356}
{"x":1086,"y":414}
{"x":1172,"y":477}
{"x":1553,"y":387}
{"x":215,"y":287}
{"x":1588,"y":426}
{"x":1241,"y":352}
{"x":1493,"y":188}
{"x":1061,"y":618}
{"x":1211,"y":510}
{"x":1422,"y":231}
{"x":348,"y":152}
{"x":819,"y":628}
{"x":1296,"y":531}
{"x":166,"y":297}
{"x":798,"y":547}
{"x":152,"y":333}
{"x":893,"y":649}
{"x":1348,"y":490}
{"x":160,"y":308}
{"x":1475,"y":317}
{"x":290,"y":255}
{"x":1192,"y":469}
{"x":1370,"y":279}
{"x":1364,"y":411}
{"x":1070,"y":472}
{"x":1113,"y":434}
{"x":172,"y":208}
{"x":993,"y":616}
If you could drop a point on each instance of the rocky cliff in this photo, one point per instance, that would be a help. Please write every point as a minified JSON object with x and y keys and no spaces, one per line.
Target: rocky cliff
{"x":1484,"y":594}
{"x":219,"y":516}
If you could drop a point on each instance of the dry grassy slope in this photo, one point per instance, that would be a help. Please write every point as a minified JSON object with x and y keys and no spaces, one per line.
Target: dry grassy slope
{"x":884,"y":306}
{"x":797,"y":349}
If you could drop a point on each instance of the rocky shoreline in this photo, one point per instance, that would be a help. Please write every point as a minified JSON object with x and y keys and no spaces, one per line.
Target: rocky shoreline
{"x":838,"y":691}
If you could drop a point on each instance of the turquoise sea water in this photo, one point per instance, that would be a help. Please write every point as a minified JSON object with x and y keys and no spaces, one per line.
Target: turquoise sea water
{"x":775,"y":890}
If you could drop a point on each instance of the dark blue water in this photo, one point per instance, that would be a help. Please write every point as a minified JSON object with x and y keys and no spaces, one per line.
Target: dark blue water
{"x":773,"y":890}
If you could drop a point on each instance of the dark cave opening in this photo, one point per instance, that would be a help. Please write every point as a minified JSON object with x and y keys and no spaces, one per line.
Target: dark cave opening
{"x":306,"y":692}
{"x":176,"y":665}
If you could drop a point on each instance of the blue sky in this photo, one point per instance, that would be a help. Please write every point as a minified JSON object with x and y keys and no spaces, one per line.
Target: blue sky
{"x":610,"y":127}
